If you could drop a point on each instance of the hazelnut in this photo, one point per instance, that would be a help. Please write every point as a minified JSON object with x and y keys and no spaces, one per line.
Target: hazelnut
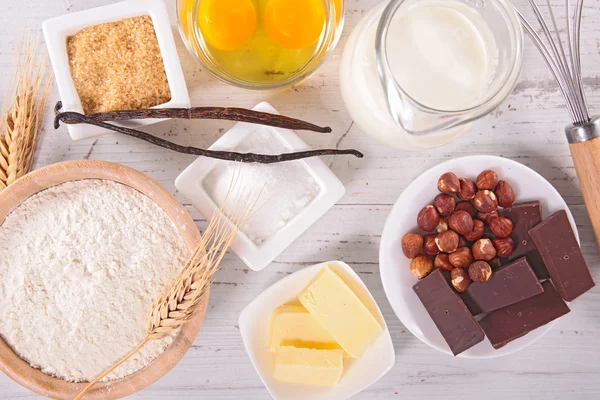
{"x":460,"y":279}
{"x":444,"y":204}
{"x":467,"y":189}
{"x":504,"y":247}
{"x":483,"y":249}
{"x":501,"y":227}
{"x":421,"y":266}
{"x":485,"y":201}
{"x":412,"y":243}
{"x":449,"y":183}
{"x":447,"y":241}
{"x":461,"y":258}
{"x":485,"y":217}
{"x":496,"y":263}
{"x":466,"y":206}
{"x":505,"y":194}
{"x":430,"y":247}
{"x":428,"y":218}
{"x":487,"y":180}
{"x":462,"y":242}
{"x":442,"y":225}
{"x":461,"y":222}
{"x":480,"y":271}
{"x":442,"y":261}
{"x":477,"y":232}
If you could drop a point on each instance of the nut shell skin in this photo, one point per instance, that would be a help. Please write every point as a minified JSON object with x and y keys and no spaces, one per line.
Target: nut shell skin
{"x":447,"y":241}
{"x":477,"y":232}
{"x":480,"y":271}
{"x":412,"y":243}
{"x":430,"y":246}
{"x":485,"y":201}
{"x":461,"y":222}
{"x":444,"y":204}
{"x":487,"y":180}
{"x":466,"y":206}
{"x":428,"y":218}
{"x":461,"y":258}
{"x":449,"y":183}
{"x":442,"y":261}
{"x":501,"y":227}
{"x":460,"y":279}
{"x":496,"y":263}
{"x":505,"y":194}
{"x":504,"y":247}
{"x":483,"y":250}
{"x":467,"y":189}
{"x":421,"y":266}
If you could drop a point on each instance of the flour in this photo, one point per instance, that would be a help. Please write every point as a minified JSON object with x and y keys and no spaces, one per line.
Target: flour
{"x":80,"y":266}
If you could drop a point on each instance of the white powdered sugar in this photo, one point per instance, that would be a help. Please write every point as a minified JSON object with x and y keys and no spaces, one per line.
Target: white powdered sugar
{"x":80,"y":266}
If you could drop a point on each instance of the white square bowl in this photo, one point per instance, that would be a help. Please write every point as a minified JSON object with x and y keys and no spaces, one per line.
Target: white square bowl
{"x":255,"y":323}
{"x":257,"y":257}
{"x":57,"y":30}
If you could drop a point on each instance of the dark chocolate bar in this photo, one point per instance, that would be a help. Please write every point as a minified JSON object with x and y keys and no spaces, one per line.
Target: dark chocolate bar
{"x":525,"y":216}
{"x":510,"y":284}
{"x":558,"y":246}
{"x":449,"y":312}
{"x":510,"y":323}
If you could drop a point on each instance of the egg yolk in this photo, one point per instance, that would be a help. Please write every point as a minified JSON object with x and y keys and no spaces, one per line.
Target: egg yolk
{"x":227,"y":24}
{"x":294,"y":24}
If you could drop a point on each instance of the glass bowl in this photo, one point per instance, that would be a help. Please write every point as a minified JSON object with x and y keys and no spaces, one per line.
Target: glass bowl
{"x":201,"y":51}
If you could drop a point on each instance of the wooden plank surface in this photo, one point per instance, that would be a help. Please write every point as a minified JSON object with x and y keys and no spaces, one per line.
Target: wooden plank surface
{"x":528,"y":128}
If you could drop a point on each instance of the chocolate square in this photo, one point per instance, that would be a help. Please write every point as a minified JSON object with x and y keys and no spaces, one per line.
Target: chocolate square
{"x":449,"y":312}
{"x":556,"y":242}
{"x":512,"y":322}
{"x":508,"y":285}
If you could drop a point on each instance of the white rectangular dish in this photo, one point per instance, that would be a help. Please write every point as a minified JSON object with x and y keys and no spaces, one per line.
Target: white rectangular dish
{"x":255,"y":323}
{"x":322,"y":190}
{"x":57,"y":30}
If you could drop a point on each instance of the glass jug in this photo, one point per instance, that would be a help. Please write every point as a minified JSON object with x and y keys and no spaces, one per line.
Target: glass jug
{"x":392,"y":98}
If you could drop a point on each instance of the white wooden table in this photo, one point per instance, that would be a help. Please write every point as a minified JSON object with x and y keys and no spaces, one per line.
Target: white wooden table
{"x":565,"y":364}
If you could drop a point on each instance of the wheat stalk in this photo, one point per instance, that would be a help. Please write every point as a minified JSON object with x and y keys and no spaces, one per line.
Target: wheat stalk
{"x":182,"y":299}
{"x":22,"y":113}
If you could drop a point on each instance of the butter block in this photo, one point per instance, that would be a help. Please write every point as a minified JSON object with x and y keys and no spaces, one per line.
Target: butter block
{"x":337,"y":308}
{"x":308,"y":366}
{"x":294,"y":326}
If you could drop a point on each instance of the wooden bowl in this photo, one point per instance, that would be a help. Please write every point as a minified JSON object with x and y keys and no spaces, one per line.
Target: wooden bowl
{"x":33,"y":379}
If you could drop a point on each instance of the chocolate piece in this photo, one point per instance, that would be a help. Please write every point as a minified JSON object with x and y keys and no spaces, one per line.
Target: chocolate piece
{"x":525,"y":216}
{"x":510,"y":323}
{"x":449,"y":312}
{"x":558,"y":246}
{"x":510,"y":284}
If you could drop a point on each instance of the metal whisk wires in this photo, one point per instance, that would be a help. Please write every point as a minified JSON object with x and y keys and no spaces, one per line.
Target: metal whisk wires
{"x":565,"y":66}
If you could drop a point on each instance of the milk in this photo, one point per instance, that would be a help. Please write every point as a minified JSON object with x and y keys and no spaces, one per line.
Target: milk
{"x":441,"y":53}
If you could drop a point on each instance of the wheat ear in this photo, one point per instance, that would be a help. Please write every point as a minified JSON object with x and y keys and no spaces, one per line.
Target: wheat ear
{"x":182,"y":299}
{"x":22,"y":113}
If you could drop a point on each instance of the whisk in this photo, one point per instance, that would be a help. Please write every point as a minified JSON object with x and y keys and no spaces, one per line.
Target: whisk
{"x":583,"y":133}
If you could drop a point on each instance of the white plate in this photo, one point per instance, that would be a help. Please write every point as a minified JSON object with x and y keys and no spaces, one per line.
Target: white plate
{"x":257,"y":257}
{"x":57,"y":30}
{"x":255,"y":322}
{"x":395,"y":273}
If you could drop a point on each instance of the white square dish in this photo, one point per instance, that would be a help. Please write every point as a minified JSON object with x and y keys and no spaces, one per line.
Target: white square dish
{"x":258,"y":255}
{"x":358,"y":374}
{"x":57,"y":30}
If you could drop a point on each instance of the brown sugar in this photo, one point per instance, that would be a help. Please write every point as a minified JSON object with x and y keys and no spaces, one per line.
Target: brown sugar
{"x":118,"y":66}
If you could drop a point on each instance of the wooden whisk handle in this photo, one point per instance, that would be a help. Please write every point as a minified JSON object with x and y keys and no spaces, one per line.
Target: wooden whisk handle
{"x":586,"y":156}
